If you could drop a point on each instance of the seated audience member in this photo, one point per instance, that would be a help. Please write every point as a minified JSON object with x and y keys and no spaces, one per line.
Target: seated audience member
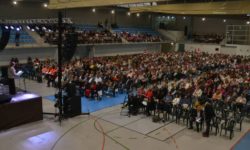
{"x":197,"y":93}
{"x":150,"y":101}
{"x":217,"y":96}
{"x":240,"y":102}
{"x":196,"y":115}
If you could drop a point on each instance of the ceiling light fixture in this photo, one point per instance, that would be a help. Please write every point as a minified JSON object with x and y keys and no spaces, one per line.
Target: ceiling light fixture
{"x":45,"y":5}
{"x":14,"y":2}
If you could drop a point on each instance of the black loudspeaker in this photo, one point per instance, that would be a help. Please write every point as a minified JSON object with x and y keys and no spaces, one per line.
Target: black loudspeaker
{"x":5,"y":37}
{"x":72,"y":106}
{"x":5,"y":99}
{"x":186,"y":31}
{"x":70,"y":89}
{"x":70,"y":45}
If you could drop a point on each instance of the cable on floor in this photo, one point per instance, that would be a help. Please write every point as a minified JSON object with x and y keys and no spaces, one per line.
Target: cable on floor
{"x":96,"y":121}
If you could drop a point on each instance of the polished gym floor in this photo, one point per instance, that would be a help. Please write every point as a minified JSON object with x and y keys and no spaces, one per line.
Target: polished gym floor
{"x":107,"y":129}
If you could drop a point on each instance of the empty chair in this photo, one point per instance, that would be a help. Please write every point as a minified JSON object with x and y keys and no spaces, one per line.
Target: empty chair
{"x":228,"y":126}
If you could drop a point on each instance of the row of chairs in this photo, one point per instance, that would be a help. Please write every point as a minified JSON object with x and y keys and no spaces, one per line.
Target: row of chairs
{"x":225,"y":120}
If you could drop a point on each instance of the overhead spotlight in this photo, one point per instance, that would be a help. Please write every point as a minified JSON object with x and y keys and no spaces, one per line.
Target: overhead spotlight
{"x":32,"y":30}
{"x":172,"y":43}
{"x":93,"y":10}
{"x":203,"y":19}
{"x":224,"y":20}
{"x":172,"y":17}
{"x":28,"y":27}
{"x":17,"y":29}
{"x":248,"y":22}
{"x":112,"y":11}
{"x":14,"y":2}
{"x":128,"y":13}
{"x":37,"y":27}
{"x":184,"y":18}
{"x":45,"y":5}
{"x":44,"y":28}
{"x":11,"y":27}
{"x":168,"y":17}
{"x":138,"y":14}
{"x":6,"y":27}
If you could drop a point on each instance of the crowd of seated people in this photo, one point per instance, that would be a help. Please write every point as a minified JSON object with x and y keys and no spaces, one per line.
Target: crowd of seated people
{"x":96,"y":35}
{"x":200,"y":88}
{"x":140,"y":37}
{"x":89,"y":37}
{"x":86,"y":37}
{"x":49,"y":32}
{"x":207,"y":38}
{"x":38,"y":70}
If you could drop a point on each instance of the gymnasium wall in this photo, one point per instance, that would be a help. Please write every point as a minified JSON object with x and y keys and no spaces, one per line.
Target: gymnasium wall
{"x":194,"y":24}
{"x":214,"y":25}
{"x":23,"y":53}
{"x":82,"y":51}
{"x":125,"y":49}
{"x":30,"y":10}
{"x":172,"y":35}
{"x":213,"y":48}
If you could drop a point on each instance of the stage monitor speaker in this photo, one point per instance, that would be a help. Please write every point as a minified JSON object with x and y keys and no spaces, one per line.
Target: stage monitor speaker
{"x":5,"y":99}
{"x":5,"y":37}
{"x":72,"y":106}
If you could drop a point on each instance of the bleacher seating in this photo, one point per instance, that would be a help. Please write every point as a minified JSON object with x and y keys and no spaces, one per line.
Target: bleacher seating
{"x":88,"y":33}
{"x":143,"y":34}
{"x":85,"y":27}
{"x":134,"y":30}
{"x":207,"y":38}
{"x":25,"y":38}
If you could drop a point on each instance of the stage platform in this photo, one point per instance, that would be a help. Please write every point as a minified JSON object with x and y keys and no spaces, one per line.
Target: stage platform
{"x":23,"y":108}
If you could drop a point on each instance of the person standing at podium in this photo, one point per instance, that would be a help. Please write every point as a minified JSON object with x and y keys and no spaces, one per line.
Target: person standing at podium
{"x":11,"y":78}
